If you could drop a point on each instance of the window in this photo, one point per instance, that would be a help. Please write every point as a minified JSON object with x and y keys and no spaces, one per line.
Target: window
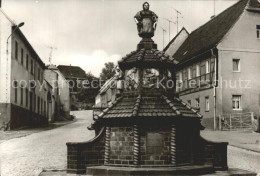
{"x":27,"y":61}
{"x":41,"y":106}
{"x":22,"y":56}
{"x":180,"y":76}
{"x":34,"y":103}
{"x":16,"y":50}
{"x":32,"y":66}
{"x":197,"y":70}
{"x":39,"y":74}
{"x":207,"y":104}
{"x":15,"y":91}
{"x":26,"y":97}
{"x":45,"y":108}
{"x":258,"y":31}
{"x":189,"y":73}
{"x":207,"y":66}
{"x":236,"y":65}
{"x":236,"y":102}
{"x":21,"y":96}
{"x":189,"y":102}
{"x":38,"y":105}
{"x":35,"y":71}
{"x":197,"y":102}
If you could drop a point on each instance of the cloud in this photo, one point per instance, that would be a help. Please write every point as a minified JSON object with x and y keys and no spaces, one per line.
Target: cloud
{"x":90,"y":63}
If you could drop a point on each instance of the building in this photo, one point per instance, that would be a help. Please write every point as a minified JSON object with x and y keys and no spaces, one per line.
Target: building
{"x":218,"y":63}
{"x":52,"y":77}
{"x":61,"y":91}
{"x":74,"y":75}
{"x":51,"y":109}
{"x":23,"y":95}
{"x":106,"y":94}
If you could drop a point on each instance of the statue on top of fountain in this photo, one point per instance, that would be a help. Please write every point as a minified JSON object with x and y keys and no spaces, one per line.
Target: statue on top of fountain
{"x":146,"y":21}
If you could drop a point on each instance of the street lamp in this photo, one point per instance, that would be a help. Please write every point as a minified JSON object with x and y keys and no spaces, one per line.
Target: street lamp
{"x":18,"y":26}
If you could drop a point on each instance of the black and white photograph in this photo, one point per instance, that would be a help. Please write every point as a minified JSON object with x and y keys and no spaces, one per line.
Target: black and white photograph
{"x":129,"y":88}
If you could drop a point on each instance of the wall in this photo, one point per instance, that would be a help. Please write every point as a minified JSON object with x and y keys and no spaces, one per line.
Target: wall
{"x":107,"y":97}
{"x":52,"y":78}
{"x":247,"y":49}
{"x":64,"y":94}
{"x":5,"y":116}
{"x":24,"y":77}
{"x":5,"y":31}
{"x":84,"y":154}
{"x":155,"y":158}
{"x":121,"y":146}
{"x":201,"y":95}
{"x":15,"y":70}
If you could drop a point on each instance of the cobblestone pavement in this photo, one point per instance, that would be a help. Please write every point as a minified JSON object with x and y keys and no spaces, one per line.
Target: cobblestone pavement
{"x":27,"y":156}
{"x":243,"y":149}
{"x":243,"y":159}
{"x":7,"y":135}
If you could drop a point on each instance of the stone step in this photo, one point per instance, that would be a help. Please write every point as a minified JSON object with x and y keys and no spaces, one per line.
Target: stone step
{"x":229,"y":172}
{"x":155,"y":171}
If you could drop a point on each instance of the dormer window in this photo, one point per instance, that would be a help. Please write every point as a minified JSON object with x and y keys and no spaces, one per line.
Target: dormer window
{"x":258,"y":31}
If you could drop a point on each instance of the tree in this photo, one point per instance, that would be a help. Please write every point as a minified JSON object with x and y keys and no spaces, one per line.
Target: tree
{"x":90,"y":91}
{"x":107,"y":72}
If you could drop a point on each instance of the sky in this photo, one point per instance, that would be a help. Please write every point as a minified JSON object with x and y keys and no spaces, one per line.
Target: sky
{"x":89,"y":33}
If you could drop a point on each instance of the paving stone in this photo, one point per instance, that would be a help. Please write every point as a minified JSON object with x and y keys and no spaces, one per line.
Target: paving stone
{"x":44,"y":150}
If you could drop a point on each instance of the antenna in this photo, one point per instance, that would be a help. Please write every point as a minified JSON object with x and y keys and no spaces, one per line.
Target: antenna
{"x":163,"y":35}
{"x":169,"y":27}
{"x":51,"y":48}
{"x":214,"y":7}
{"x":178,"y":13}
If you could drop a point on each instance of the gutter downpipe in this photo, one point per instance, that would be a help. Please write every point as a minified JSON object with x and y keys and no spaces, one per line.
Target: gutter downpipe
{"x":214,"y":88}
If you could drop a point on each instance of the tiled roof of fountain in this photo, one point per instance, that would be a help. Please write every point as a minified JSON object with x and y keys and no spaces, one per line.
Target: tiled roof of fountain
{"x":148,"y":106}
{"x":146,"y":56}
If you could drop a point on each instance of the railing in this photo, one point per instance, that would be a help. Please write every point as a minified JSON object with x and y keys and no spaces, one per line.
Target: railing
{"x":197,"y":82}
{"x":239,"y":121}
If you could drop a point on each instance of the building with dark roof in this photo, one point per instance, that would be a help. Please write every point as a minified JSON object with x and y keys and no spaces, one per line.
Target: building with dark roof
{"x":218,"y":63}
{"x":70,"y":72}
{"x":61,"y":92}
{"x":74,"y":76}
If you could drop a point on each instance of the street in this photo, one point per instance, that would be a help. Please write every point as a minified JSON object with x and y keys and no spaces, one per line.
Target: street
{"x":243,"y":149}
{"x":44,"y":150}
{"x":31,"y":154}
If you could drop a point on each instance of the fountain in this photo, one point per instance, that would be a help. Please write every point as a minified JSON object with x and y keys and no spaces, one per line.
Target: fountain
{"x":147,"y":130}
